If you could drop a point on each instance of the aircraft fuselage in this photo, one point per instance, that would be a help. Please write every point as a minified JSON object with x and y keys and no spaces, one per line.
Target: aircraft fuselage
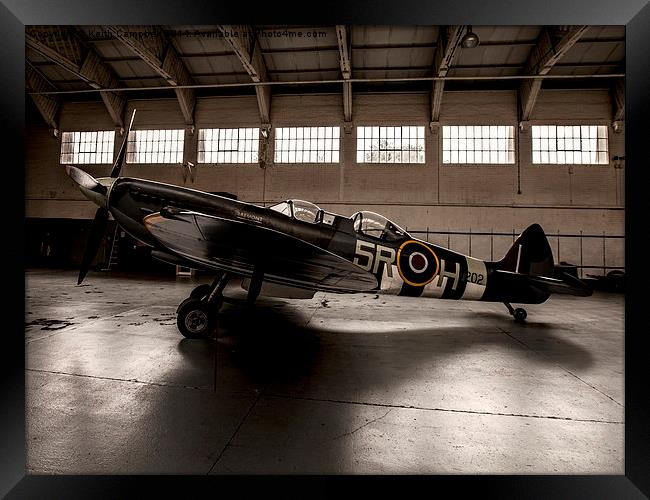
{"x":403,"y":265}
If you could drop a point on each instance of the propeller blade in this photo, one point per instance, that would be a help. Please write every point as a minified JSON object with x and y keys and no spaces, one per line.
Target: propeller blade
{"x":119,"y":161}
{"x":85,"y":180}
{"x":94,"y":240}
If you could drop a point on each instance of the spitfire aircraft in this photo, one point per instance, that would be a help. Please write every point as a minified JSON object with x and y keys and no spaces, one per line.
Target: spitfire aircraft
{"x":294,"y":249}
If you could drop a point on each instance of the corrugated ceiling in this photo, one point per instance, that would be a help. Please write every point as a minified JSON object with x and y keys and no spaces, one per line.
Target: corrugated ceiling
{"x":300,"y":53}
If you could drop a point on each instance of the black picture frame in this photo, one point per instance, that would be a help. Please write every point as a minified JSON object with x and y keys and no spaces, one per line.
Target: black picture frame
{"x":634,"y":14}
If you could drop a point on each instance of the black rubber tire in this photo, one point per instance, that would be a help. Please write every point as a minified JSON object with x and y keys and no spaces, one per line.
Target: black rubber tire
{"x":520,"y":315}
{"x":196,"y":319}
{"x":200,"y":291}
{"x":182,"y":304}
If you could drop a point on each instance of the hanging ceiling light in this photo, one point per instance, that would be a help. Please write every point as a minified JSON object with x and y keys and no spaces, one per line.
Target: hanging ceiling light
{"x":470,"y":40}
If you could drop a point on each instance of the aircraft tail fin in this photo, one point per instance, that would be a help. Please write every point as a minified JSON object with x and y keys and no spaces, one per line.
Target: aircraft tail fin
{"x":530,"y":254}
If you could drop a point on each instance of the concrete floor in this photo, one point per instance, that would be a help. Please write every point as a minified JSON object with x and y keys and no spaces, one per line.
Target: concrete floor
{"x":335,"y":384}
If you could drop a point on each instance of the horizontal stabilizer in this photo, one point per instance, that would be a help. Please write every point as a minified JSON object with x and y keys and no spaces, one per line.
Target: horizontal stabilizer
{"x":575,"y":285}
{"x":568,"y":285}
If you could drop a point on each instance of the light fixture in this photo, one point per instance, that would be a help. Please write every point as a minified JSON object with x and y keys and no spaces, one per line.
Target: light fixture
{"x":470,"y":40}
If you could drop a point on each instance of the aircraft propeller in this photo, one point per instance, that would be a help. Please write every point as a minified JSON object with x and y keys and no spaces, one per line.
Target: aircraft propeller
{"x":119,"y":161}
{"x":85,"y":180}
{"x":96,"y":192}
{"x":94,"y":240}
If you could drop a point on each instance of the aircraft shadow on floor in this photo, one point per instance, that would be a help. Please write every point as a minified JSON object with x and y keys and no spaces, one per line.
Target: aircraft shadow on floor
{"x":272,"y":343}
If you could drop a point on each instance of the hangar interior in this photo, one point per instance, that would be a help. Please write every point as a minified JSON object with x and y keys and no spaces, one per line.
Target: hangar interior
{"x":336,"y":383}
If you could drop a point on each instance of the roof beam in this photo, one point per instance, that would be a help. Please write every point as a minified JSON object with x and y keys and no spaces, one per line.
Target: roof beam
{"x":345,"y":61}
{"x":418,"y":45}
{"x":64,"y":47}
{"x":48,"y":105}
{"x":152,"y":46}
{"x":550,"y":48}
{"x":446,"y":48}
{"x":344,"y":51}
{"x":243,"y":41}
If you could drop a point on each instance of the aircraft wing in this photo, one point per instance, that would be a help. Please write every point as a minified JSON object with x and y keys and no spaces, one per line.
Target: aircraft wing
{"x":238,"y":246}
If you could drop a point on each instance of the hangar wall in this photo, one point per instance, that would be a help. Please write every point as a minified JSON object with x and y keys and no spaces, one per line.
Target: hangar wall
{"x":564,"y":199}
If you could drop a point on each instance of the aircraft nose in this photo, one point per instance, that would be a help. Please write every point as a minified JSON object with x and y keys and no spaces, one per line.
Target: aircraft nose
{"x":96,"y":190}
{"x":97,"y":197}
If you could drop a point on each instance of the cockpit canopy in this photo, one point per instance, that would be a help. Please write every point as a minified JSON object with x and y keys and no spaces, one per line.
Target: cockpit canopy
{"x":365,"y":222}
{"x":377,"y":226}
{"x":299,"y":210}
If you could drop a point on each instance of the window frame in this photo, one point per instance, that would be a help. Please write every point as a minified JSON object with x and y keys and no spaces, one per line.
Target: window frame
{"x":253,"y":153}
{"x":572,"y":123}
{"x":515,"y":145}
{"x":97,"y":142}
{"x":332,"y":152}
{"x":129,"y":142}
{"x":357,"y":151}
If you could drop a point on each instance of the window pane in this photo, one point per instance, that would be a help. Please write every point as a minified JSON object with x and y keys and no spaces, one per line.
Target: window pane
{"x":87,"y":147}
{"x":301,"y":142}
{"x":387,"y":144}
{"x":602,"y":158}
{"x":156,"y":146}
{"x":487,"y":144}
{"x":575,"y":144}
{"x":238,"y":145}
{"x":569,"y":157}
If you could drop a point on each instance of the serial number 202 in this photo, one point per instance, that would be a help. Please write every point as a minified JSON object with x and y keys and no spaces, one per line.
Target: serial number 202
{"x":474,"y":278}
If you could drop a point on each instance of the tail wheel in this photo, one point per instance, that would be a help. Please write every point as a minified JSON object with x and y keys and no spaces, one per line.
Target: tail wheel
{"x":195,"y":319}
{"x":520,"y":315}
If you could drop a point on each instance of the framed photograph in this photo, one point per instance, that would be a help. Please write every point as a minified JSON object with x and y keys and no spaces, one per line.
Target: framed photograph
{"x":400,"y":241}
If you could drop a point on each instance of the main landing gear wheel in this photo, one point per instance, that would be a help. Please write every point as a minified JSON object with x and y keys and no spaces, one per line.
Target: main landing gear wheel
{"x":519,"y":313}
{"x":196,"y":319}
{"x":200,"y":291}
{"x":196,"y":316}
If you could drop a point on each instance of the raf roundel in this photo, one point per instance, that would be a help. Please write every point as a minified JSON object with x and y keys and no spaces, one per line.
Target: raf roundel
{"x":417,"y":264}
